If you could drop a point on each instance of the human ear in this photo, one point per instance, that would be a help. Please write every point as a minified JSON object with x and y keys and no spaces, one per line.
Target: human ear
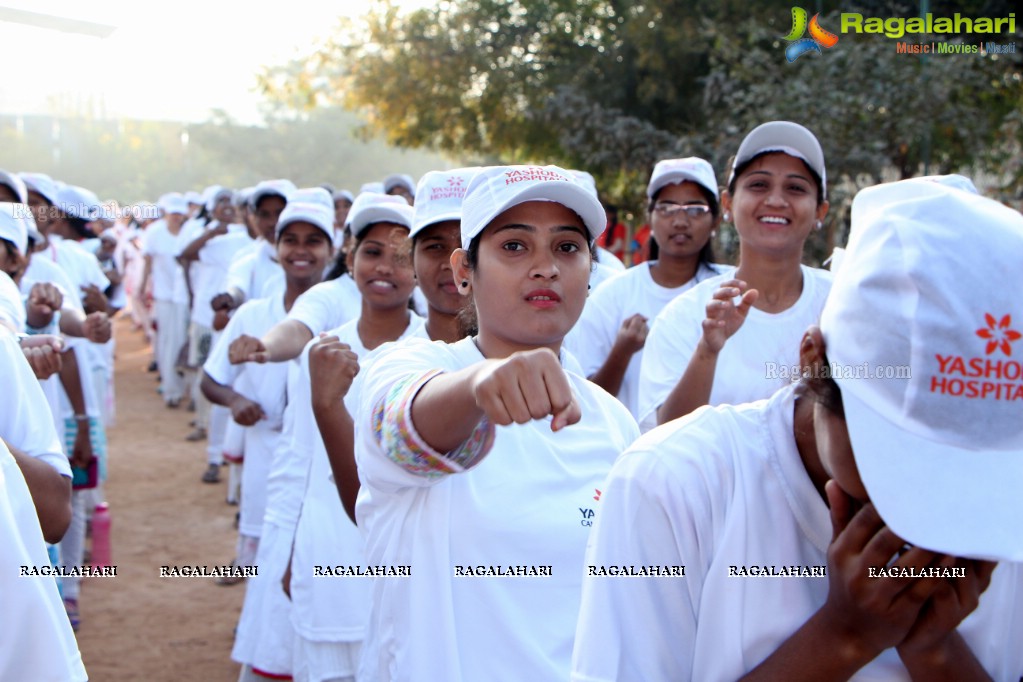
{"x":461,"y":271}
{"x":811,"y":352}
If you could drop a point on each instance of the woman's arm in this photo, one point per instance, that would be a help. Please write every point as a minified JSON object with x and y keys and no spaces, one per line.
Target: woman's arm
{"x":724,"y":318}
{"x":51,"y":494}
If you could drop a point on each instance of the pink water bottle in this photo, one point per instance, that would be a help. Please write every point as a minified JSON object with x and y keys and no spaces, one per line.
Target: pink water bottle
{"x":101,"y":535}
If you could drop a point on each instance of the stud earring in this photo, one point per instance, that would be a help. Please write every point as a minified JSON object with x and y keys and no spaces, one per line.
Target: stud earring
{"x":465,"y":284}
{"x":713,"y":233}
{"x":727,"y":217}
{"x":818,"y":225}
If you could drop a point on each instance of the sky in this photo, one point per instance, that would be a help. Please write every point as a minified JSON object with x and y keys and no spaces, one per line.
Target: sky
{"x":167,"y":62}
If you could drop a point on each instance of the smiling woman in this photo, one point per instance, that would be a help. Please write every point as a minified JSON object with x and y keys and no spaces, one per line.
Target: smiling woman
{"x":484,"y":452}
{"x":712,"y":345}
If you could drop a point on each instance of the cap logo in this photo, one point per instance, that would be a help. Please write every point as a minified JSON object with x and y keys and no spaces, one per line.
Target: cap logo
{"x":455,"y":189}
{"x":532,"y":174}
{"x":983,"y":377}
{"x":998,"y":334}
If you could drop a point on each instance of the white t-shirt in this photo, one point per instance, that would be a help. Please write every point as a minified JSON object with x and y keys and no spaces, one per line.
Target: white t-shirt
{"x":168,"y":279}
{"x":529,"y":502}
{"x":209,"y":271}
{"x":262,"y":383}
{"x":255,"y":271}
{"x":634,"y":291}
{"x":26,"y":421}
{"x":726,"y":487}
{"x":38,"y":643}
{"x":331,"y":609}
{"x":328,"y":305}
{"x":45,"y":271}
{"x":12,"y":306}
{"x":754,"y":363}
{"x":81,"y":266}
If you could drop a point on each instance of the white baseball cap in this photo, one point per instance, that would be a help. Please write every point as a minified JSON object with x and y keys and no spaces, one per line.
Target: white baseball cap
{"x":241,"y":197}
{"x":215,"y":194}
{"x":344,"y":194}
{"x":41,"y":183}
{"x":495,"y":189}
{"x":676,"y":171}
{"x":12,"y":225}
{"x":786,"y":137}
{"x":194,"y":197}
{"x":399,"y":180}
{"x":16,"y":184}
{"x":370,"y":208}
{"x":78,"y":202}
{"x":925,"y":285}
{"x":281,"y":188}
{"x":373,"y":187}
{"x":310,"y":205}
{"x":439,"y":197}
{"x":173,"y":202}
{"x":588,"y":181}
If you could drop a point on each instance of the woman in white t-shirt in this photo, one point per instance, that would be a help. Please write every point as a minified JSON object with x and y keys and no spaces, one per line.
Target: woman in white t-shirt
{"x":256,"y":396}
{"x":481,"y":461}
{"x":728,"y":339}
{"x":683,"y":212}
{"x":920,"y":466}
{"x":329,"y":614}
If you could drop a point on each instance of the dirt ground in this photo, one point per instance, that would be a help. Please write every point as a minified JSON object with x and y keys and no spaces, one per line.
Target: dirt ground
{"x":138,"y":626}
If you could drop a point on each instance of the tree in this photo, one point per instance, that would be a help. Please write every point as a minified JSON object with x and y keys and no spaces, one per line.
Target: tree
{"x":611,"y":86}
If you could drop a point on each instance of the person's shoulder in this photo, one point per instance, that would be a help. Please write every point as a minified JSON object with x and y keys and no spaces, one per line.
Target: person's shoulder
{"x":821,"y":281}
{"x":710,"y":442}
{"x":611,"y":407}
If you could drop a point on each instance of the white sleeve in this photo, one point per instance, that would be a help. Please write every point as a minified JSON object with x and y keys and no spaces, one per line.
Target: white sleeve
{"x":12,"y":307}
{"x":314,"y":308}
{"x":93,"y":272}
{"x":390,"y":453}
{"x":669,"y":346}
{"x":239,"y":275}
{"x":593,"y":336}
{"x":648,"y":516}
{"x":218,"y":365}
{"x":26,"y":423}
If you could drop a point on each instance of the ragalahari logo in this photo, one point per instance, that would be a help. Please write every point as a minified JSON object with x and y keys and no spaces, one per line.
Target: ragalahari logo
{"x":818,"y":36}
{"x":998,"y":334}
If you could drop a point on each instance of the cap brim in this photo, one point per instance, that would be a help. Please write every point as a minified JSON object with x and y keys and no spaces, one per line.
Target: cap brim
{"x":568,"y":194}
{"x":945,"y":499}
{"x":382,"y":213}
{"x":677,"y":177}
{"x":442,"y":217}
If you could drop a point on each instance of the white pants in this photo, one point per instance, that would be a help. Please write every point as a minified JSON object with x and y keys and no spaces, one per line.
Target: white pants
{"x":172,"y":331}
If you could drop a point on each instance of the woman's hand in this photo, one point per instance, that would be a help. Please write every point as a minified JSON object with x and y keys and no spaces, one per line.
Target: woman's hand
{"x":525,"y":386}
{"x":724,"y":315}
{"x":245,"y":411}
{"x":332,"y":369}
{"x":247,"y":349}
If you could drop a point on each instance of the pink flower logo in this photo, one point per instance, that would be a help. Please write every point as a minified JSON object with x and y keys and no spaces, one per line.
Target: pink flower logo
{"x":998,"y":335}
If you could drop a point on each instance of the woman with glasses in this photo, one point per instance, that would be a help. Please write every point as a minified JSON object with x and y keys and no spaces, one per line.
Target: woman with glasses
{"x":683,"y":212}
{"x":733,"y":339}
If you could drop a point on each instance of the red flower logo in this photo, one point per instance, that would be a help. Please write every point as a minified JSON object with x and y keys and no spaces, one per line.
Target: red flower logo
{"x":998,"y":334}
{"x":597,"y":496}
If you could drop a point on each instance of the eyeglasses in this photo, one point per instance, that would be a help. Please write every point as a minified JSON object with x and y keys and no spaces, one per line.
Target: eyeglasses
{"x":667,"y":209}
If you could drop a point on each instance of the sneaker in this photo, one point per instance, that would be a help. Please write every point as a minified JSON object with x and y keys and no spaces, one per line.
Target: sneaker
{"x":197,"y":435}
{"x":212,"y":474}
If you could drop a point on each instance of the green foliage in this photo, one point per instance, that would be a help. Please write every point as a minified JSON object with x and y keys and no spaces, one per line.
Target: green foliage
{"x":611,"y":86}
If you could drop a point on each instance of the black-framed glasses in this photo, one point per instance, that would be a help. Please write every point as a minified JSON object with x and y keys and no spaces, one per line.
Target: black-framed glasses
{"x":667,"y":209}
